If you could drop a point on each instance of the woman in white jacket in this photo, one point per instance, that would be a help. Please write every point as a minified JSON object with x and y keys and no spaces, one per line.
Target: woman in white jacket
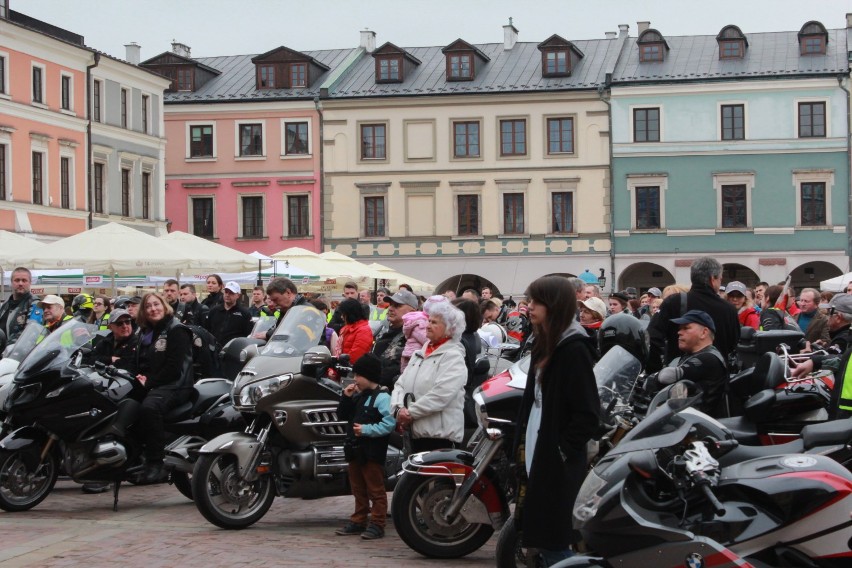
{"x":428,"y":398}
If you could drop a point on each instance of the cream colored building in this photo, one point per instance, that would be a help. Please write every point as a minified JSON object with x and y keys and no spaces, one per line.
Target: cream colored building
{"x":468,"y":166}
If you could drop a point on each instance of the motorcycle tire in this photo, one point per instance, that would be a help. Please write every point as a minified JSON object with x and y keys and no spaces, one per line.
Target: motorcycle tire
{"x":24,"y":483}
{"x":218,"y":493}
{"x":509,"y":552}
{"x":416,"y":507}
{"x":183,"y":483}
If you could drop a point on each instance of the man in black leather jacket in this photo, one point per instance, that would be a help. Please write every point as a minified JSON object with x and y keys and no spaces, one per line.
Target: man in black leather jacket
{"x":20,"y":307}
{"x":283,"y":295}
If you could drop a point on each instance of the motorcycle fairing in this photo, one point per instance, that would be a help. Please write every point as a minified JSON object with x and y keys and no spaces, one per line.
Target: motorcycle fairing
{"x":457,"y":464}
{"x":699,"y":551}
{"x":239,"y":444}
{"x":23,"y":438}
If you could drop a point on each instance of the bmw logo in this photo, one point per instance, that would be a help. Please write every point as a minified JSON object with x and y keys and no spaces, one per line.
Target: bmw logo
{"x":694,"y":560}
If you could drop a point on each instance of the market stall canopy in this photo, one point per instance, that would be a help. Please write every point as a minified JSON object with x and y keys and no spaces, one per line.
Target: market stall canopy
{"x":836,"y":284}
{"x":209,"y":256}
{"x":352,"y":265}
{"x":110,"y":249}
{"x":14,"y":246}
{"x":420,"y":287}
{"x":316,"y":264}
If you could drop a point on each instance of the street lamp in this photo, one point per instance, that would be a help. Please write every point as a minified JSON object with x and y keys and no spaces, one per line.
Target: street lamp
{"x":602,"y":280}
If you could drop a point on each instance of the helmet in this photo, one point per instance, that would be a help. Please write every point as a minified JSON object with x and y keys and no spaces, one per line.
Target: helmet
{"x":82,"y":302}
{"x":121,"y":302}
{"x":492,"y":334}
{"x":627,"y":331}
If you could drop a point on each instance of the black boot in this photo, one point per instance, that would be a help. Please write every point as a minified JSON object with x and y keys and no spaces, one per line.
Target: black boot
{"x":155,"y":472}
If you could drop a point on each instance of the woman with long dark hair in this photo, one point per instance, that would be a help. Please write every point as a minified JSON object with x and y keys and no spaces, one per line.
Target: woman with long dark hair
{"x":559,"y":415}
{"x":356,"y":337}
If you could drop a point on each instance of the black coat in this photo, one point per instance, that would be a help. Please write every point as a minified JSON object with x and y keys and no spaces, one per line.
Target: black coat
{"x":388,"y":348}
{"x":361,"y":409}
{"x":570,"y":418}
{"x":166,"y":357}
{"x":664,"y":333}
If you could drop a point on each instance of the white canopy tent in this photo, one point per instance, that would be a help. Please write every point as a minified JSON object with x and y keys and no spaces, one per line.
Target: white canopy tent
{"x":316,"y":264}
{"x":836,"y":284}
{"x":209,"y":256}
{"x":351,"y":265}
{"x":420,"y":287}
{"x":13,"y":246}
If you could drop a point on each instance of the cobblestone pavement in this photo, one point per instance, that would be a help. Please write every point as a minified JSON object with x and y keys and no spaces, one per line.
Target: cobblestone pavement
{"x":156,"y":526}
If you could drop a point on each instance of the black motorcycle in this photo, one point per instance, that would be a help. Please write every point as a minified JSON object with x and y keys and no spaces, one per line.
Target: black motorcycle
{"x":80,"y":419}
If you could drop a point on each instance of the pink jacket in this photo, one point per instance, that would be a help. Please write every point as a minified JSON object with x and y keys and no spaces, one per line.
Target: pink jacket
{"x":414,"y":330}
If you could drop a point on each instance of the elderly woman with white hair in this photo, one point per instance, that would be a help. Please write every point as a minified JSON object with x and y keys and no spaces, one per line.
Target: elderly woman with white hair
{"x":428,"y":398}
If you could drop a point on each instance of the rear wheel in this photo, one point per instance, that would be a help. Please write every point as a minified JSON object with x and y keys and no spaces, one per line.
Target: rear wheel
{"x":25,"y":479}
{"x":224,"y":498}
{"x":417,"y":508}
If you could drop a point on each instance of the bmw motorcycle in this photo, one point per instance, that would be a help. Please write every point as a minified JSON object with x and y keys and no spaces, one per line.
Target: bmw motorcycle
{"x":13,"y":355}
{"x":80,"y":419}
{"x":293,"y":446}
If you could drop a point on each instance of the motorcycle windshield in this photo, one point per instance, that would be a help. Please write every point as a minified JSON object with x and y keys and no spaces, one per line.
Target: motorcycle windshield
{"x":615,"y":374}
{"x":263,"y":324}
{"x":301,"y":329}
{"x":32,"y":335}
{"x":56,"y":349}
{"x":663,"y":428}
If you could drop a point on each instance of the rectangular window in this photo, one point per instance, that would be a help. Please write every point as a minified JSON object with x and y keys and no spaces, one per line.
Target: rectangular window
{"x":651,"y":52}
{"x":38,"y":178}
{"x":513,"y":137}
{"x":733,"y":122}
{"x":65,"y":183}
{"x":373,"y":142}
{"x":811,"y":120}
{"x":184,"y":79}
{"x":202,"y":217}
{"x":648,"y":207}
{"x":562,"y":206}
{"x":99,"y":188}
{"x":2,"y":74}
{"x":145,"y":105}
{"x":297,"y":138}
{"x":460,"y":66}
{"x":813,"y":45}
{"x":299,"y":75}
{"x":266,"y":75}
{"x":96,"y":101}
{"x":468,"y":211}
{"x":560,"y":135}
{"x":251,"y":140}
{"x":201,"y":141}
{"x":125,"y":192}
{"x":734,"y":206}
{"x":466,"y":139}
{"x":556,"y":63}
{"x":38,"y":93}
{"x":374,"y":216}
{"x":389,"y":69}
{"x":513,"y":213}
{"x":124,"y":108}
{"x":646,"y":125}
{"x":3,"y":172}
{"x":297,"y":216}
{"x":66,"y":92}
{"x":146,"y":195}
{"x":252,"y":216}
{"x":731,"y":49}
{"x":813,"y":204}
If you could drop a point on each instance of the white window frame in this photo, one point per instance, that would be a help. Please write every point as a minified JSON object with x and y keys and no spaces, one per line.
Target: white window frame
{"x":286,"y":204}
{"x":263,"y":132}
{"x":190,"y":217}
{"x":659,"y":180}
{"x":240,"y":230}
{"x":827,"y":102}
{"x":70,"y":109}
{"x":38,"y":144}
{"x":188,"y":141}
{"x":129,"y":91}
{"x":102,"y":105}
{"x":5,"y":94}
{"x":813,"y":176}
{"x":65,"y":152}
{"x":147,"y":168}
{"x":549,"y":220}
{"x":521,"y":188}
{"x":733,"y":178}
{"x":284,"y":154}
{"x":6,"y":139}
{"x":657,"y":106}
{"x":146,"y":120}
{"x":462,"y":192}
{"x":43,"y":103}
{"x":719,"y":105}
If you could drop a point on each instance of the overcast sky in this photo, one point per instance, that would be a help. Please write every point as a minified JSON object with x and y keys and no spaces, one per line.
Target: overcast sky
{"x":236,"y":27}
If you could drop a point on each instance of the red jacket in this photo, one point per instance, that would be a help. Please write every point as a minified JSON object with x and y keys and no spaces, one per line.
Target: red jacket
{"x":356,"y":339}
{"x":749,"y":318}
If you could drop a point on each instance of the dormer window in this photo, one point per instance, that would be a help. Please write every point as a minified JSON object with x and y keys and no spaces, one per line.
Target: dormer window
{"x":266,"y":76}
{"x":556,"y":63}
{"x":185,"y":73}
{"x":732,"y":43}
{"x":184,"y":79}
{"x":393,"y":63}
{"x":298,"y":75}
{"x":558,"y":56}
{"x":283,"y":68}
{"x":652,"y":46}
{"x":388,"y":69}
{"x":813,"y":39}
{"x":462,"y":60}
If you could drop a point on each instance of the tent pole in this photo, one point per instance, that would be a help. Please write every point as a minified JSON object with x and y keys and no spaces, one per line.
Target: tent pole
{"x":113,"y":282}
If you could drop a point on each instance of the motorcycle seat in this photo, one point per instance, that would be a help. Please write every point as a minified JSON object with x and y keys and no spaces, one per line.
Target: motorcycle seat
{"x":743,"y":430}
{"x":744,"y":453}
{"x":179,"y":413}
{"x":208,"y":391}
{"x":827,"y":433}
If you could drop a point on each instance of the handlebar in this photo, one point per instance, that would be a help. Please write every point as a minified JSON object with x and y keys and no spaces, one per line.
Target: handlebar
{"x":718,"y":508}
{"x":112,"y":371}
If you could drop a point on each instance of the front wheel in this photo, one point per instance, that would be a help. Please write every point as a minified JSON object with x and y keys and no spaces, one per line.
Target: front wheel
{"x":225,"y":499}
{"x":417,"y":511}
{"x":510,"y":553}
{"x":183,"y":483}
{"x":25,"y":479}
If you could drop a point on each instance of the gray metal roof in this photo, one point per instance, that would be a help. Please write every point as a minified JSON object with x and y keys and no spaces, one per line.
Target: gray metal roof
{"x":514,"y":70}
{"x":772,"y":54}
{"x":238,"y":80}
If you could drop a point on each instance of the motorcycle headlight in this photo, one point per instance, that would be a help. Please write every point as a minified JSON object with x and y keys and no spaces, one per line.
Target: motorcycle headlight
{"x":20,"y":395}
{"x":250,"y":394}
{"x":479,"y":405}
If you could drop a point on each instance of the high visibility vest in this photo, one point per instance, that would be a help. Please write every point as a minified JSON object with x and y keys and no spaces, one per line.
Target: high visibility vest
{"x":844,"y":403}
{"x":104,"y":322}
{"x":377,"y":314}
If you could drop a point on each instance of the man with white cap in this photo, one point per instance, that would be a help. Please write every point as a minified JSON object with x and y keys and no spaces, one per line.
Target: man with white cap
{"x":54,"y":312}
{"x":228,"y":319}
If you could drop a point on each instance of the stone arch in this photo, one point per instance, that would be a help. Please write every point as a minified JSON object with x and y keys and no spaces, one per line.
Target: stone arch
{"x":644,"y":275}
{"x":810,"y":274}
{"x":461,"y":282}
{"x":734,"y":271}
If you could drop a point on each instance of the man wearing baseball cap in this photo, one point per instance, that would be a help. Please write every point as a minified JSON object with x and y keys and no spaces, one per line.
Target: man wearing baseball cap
{"x":228,"y":319}
{"x":54,"y":312}
{"x":118,"y":348}
{"x":701,"y":363}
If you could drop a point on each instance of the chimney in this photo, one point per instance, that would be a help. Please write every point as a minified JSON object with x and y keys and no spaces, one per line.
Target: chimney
{"x":133,"y":51}
{"x":642,"y":26}
{"x":623,"y":30}
{"x":368,"y":40}
{"x":848,"y":21}
{"x":180,"y":49}
{"x":510,"y":35}
{"x":610,"y":35}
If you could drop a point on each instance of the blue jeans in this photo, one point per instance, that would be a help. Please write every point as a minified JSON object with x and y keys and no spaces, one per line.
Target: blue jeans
{"x":551,"y":557}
